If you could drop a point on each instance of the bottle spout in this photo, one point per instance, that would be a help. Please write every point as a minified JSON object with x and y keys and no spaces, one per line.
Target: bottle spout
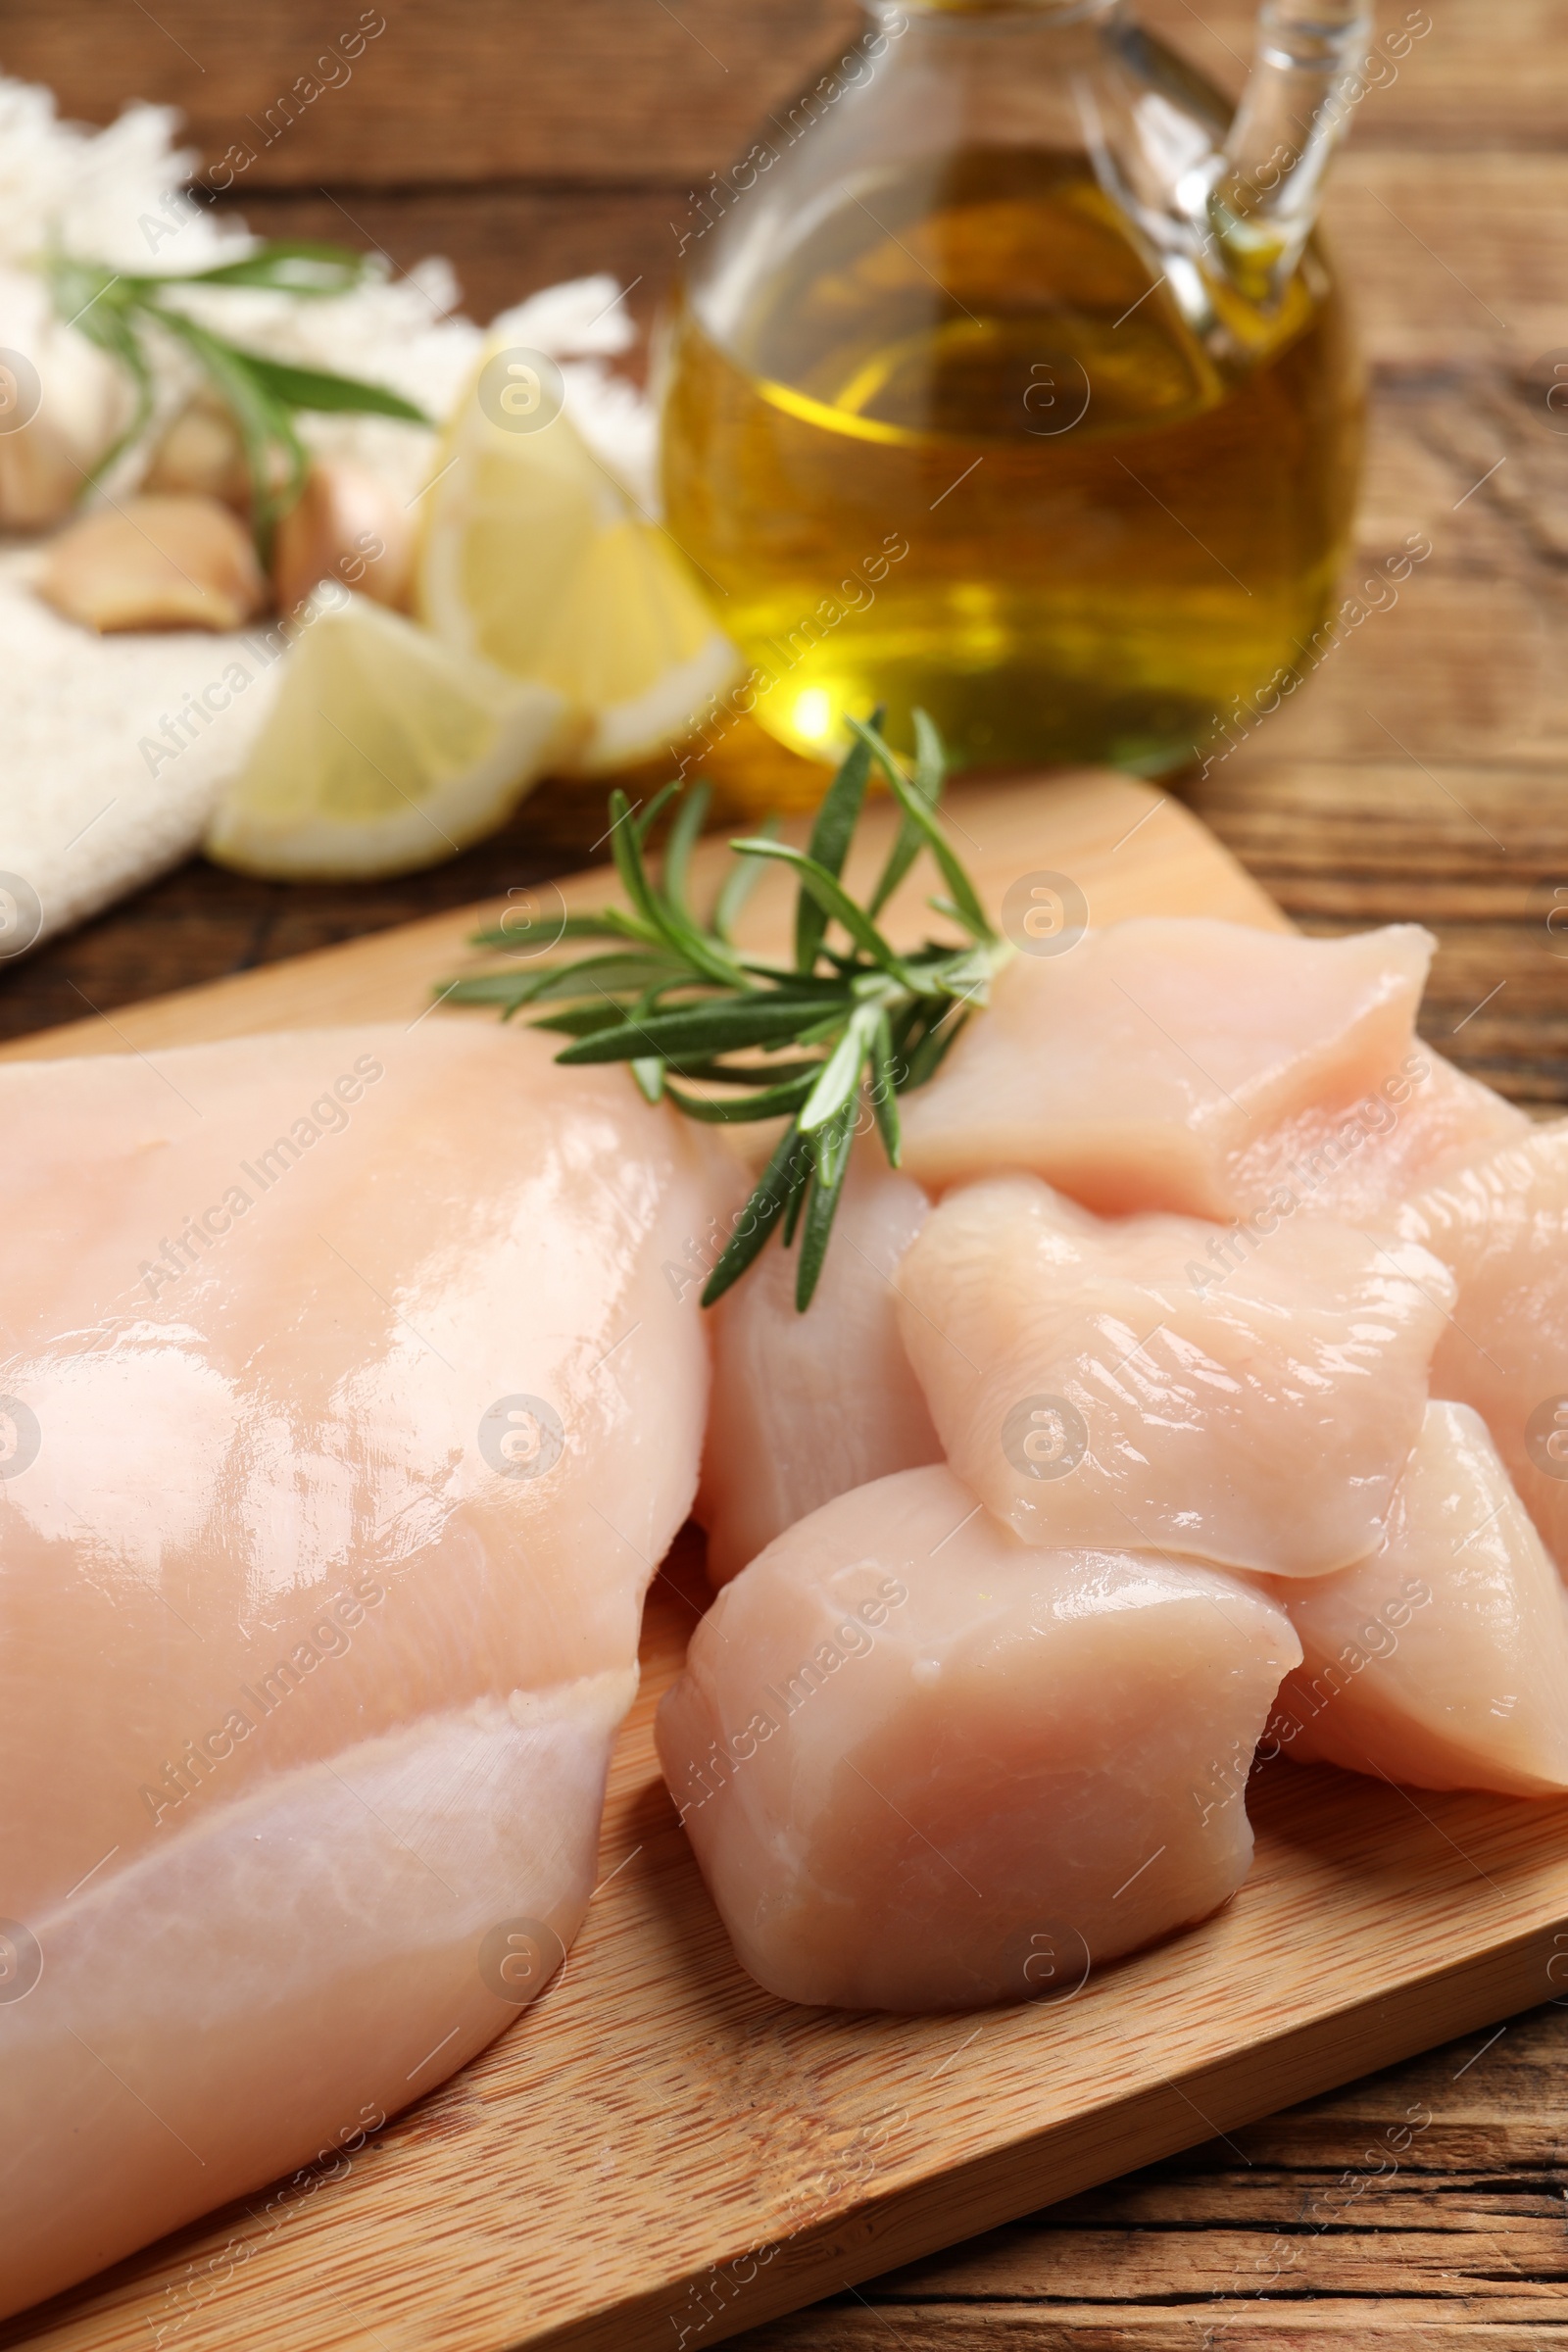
{"x":1265,"y":186}
{"x":1225,"y":203}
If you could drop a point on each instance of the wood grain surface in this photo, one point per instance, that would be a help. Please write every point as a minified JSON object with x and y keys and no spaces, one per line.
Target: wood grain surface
{"x":1421,"y":775}
{"x":1321,"y":2228}
{"x":659,"y":2150}
{"x":628,"y":92}
{"x":1130,"y":850}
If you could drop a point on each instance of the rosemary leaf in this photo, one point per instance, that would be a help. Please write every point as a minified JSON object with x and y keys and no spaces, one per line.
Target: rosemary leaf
{"x":829,"y":844}
{"x":584,"y":1021}
{"x":885,"y":1089}
{"x":927,"y":782}
{"x":740,"y":882}
{"x":798,"y":1201}
{"x":930,"y":1049}
{"x":718,"y":1028}
{"x":683,"y":835}
{"x":510,"y":990}
{"x":841,"y":1073}
{"x":830,"y":897}
{"x":930,"y":758}
{"x":684,"y":1007}
{"x":611,"y":925}
{"x":652,"y":811}
{"x":285,"y":266}
{"x":832,"y":1166}
{"x":786,"y":1172}
{"x":109,"y":329}
{"x":321,"y":389}
{"x":769,"y":1103}
{"x":921,"y":814}
{"x":625,"y":847}
{"x":602,"y":974}
{"x":744,"y":1073}
{"x":709,"y":957}
{"x":265,"y":425}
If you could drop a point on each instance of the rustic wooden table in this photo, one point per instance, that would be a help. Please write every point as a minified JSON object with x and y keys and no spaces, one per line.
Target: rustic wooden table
{"x":1419,"y":777}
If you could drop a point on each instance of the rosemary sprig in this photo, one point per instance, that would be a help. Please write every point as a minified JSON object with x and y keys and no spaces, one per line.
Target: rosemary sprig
{"x":853,"y":1019}
{"x":115,"y":309}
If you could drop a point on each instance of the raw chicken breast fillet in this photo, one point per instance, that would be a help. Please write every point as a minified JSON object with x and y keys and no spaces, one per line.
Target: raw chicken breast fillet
{"x":1442,"y":1660}
{"x":1150,"y":1381}
{"x":807,"y":1406}
{"x":345,"y":1412}
{"x":1502,"y":1225}
{"x":924,"y":1766}
{"x":1131,"y":1069}
{"x":1360,"y":1164}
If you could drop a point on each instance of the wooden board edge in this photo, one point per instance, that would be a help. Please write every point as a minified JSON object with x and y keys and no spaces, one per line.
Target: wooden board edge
{"x":1003,"y":2185}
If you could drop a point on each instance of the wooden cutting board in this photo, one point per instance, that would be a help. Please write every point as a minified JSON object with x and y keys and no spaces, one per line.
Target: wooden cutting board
{"x":658,"y":2154}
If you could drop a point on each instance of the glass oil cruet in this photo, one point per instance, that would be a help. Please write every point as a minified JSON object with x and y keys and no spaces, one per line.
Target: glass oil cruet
{"x":1008,"y":380}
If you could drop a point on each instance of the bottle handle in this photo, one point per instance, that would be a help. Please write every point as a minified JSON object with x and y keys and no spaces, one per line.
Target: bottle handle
{"x":1306,"y":79}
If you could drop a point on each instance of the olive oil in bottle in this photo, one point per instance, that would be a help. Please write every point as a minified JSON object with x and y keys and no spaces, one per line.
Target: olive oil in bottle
{"x":964,"y":451}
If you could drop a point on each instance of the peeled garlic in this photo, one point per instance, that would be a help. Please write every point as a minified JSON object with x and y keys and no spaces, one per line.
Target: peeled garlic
{"x":202,"y":454}
{"x":349,"y":527}
{"x":59,"y":410}
{"x":155,"y":562}
{"x":39,"y":476}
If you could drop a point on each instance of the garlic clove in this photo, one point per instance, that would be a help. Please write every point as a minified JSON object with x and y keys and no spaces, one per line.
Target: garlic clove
{"x":155,"y":562}
{"x":61,"y":408}
{"x":349,"y":527}
{"x":201,"y":455}
{"x":40,"y":475}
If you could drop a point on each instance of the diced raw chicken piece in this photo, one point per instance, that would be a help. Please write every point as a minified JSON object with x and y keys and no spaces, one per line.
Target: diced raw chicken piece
{"x":1151,"y":1380}
{"x":807,"y":1406}
{"x":1444,"y":1659}
{"x":1502,"y":1225}
{"x":347,"y":1410}
{"x":926,"y":1767}
{"x":1358,"y":1164}
{"x":1133,"y":1068}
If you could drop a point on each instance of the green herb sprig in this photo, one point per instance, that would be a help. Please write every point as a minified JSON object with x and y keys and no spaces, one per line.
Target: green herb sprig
{"x":850,"y":1019}
{"x":115,"y":309}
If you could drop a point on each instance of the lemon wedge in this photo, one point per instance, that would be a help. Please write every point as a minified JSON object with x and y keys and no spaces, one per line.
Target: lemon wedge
{"x":384,"y":751}
{"x":533,"y":558}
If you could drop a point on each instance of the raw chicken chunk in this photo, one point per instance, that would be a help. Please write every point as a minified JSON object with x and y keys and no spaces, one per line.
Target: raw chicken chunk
{"x":1131,"y":1069}
{"x":1444,"y":1659}
{"x":1151,"y":1380}
{"x":1425,"y":1121}
{"x":346,"y":1408}
{"x":1502,"y":1225}
{"x":926,"y":1767}
{"x":807,"y":1406}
